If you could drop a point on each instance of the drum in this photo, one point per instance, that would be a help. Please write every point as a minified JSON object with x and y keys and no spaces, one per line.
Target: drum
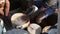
{"x":20,"y":20}
{"x":16,"y":31}
{"x":34,"y":29}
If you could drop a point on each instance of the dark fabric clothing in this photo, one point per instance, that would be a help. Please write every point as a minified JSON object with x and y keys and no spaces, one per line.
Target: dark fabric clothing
{"x":18,"y":10}
{"x":40,"y":3}
{"x":14,"y":5}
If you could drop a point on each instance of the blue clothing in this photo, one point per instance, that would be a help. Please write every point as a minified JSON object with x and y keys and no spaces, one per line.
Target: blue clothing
{"x":49,"y":11}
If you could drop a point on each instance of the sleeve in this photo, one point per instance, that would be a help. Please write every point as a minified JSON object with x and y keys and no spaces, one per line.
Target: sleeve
{"x":49,"y":11}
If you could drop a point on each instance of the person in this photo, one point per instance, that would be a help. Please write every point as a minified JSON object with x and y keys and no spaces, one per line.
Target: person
{"x":4,"y":10}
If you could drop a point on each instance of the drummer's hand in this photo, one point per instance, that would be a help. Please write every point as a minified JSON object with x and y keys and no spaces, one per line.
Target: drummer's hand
{"x":45,"y":29}
{"x":41,"y":19}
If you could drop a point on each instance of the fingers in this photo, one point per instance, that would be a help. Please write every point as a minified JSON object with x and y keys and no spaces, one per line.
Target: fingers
{"x":45,"y":29}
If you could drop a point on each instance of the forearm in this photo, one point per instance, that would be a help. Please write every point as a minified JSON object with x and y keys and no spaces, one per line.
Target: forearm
{"x":7,"y":7}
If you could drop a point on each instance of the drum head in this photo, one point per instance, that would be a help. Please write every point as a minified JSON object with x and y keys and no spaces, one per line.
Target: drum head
{"x":19,"y":20}
{"x":16,"y":31}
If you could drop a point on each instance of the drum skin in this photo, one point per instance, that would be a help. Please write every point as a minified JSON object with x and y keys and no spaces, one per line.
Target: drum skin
{"x":19,"y":20}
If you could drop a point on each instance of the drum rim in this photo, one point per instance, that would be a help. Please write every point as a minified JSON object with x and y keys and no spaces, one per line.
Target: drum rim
{"x":15,"y":15}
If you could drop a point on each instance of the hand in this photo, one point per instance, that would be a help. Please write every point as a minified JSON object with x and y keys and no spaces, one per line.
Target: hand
{"x":45,"y":29}
{"x":40,"y":19}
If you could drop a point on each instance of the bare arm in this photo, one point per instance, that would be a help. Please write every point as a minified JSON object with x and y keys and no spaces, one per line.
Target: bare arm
{"x":7,"y":7}
{"x":2,"y":2}
{"x":40,"y":19}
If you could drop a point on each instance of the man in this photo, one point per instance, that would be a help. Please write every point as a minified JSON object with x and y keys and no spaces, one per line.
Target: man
{"x":4,"y":10}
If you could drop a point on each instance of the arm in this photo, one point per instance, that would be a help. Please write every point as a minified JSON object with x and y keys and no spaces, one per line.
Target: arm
{"x":2,"y":2}
{"x":49,"y":11}
{"x":7,"y":7}
{"x":40,"y":19}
